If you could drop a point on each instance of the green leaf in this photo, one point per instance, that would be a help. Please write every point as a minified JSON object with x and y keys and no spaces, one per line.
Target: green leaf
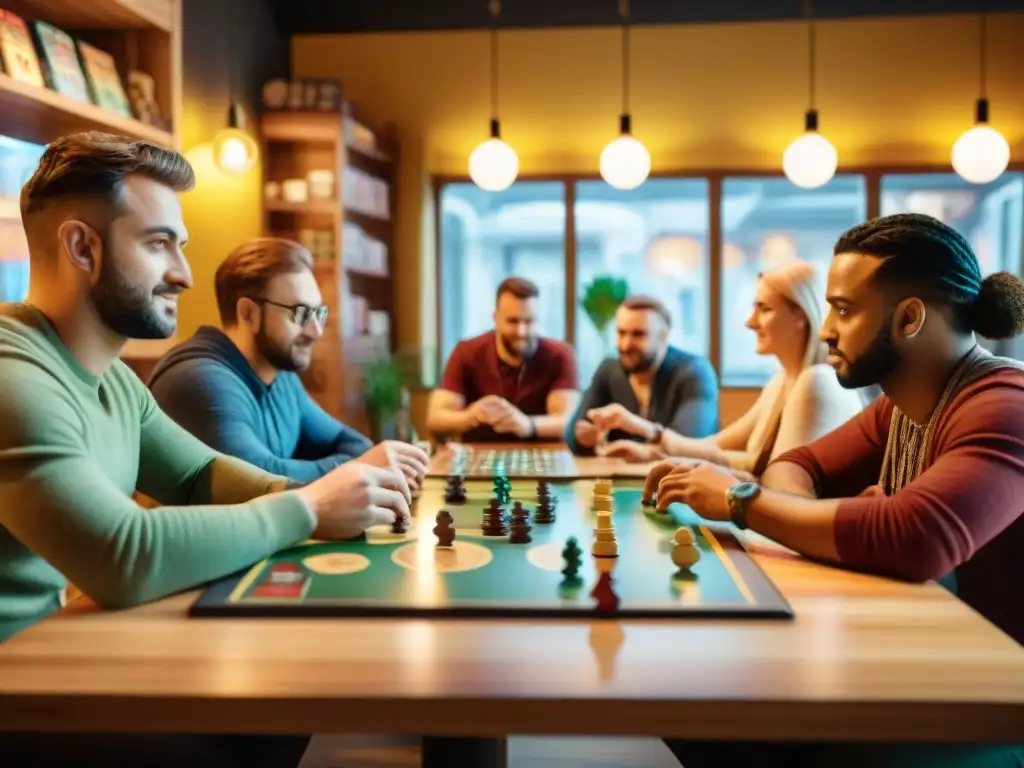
{"x":602,"y":297}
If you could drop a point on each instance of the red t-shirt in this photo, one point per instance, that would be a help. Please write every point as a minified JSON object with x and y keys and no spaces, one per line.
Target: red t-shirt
{"x":474,"y":370}
{"x":962,"y":515}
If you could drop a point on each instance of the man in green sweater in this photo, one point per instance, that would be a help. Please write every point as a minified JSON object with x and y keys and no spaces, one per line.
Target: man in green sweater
{"x":79,"y":433}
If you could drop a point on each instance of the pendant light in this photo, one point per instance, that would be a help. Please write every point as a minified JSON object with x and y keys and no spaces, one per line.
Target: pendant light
{"x":981,"y":154}
{"x":494,"y":165}
{"x":234,"y":148}
{"x":810,"y":161}
{"x":625,"y":161}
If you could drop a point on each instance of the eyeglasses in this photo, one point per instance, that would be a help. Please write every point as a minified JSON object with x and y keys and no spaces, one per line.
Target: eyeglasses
{"x":301,"y":314}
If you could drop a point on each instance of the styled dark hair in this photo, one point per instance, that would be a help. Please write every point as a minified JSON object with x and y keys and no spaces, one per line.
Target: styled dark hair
{"x":95,"y":165}
{"x":247,"y":270}
{"x":926,"y":258}
{"x":649,"y":303}
{"x":519,"y":287}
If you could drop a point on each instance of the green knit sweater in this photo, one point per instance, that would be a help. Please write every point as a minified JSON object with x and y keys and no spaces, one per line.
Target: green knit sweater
{"x":73,"y":449}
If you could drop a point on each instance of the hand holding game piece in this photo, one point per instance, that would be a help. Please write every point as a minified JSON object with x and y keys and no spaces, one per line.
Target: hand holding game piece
{"x":631,"y":451}
{"x":514,"y":422}
{"x":661,"y":470}
{"x":703,"y":487}
{"x":489,"y":409}
{"x":615,"y":416}
{"x":356,"y":496}
{"x":586,"y":433}
{"x":411,"y":460}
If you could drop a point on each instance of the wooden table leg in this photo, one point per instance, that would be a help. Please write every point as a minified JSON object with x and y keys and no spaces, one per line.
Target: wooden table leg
{"x":451,"y":751}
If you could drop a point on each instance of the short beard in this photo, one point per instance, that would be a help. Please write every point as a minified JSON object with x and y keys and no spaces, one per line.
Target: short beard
{"x":875,"y":364}
{"x":281,"y":359}
{"x":645,"y":364}
{"x":125,"y":308}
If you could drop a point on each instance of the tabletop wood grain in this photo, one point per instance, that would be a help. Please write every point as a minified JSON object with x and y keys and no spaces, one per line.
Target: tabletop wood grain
{"x":865,"y":658}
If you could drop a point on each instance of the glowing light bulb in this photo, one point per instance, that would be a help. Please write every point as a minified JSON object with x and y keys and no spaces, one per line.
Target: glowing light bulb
{"x":494,"y":165}
{"x":234,"y":149}
{"x":810,"y":161}
{"x":625,"y":161}
{"x":981,"y":154}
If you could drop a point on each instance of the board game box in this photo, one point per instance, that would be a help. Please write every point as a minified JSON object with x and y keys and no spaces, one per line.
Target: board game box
{"x":514,"y":548}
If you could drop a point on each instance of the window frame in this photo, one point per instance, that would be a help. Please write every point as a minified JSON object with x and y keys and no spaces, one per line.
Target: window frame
{"x":872,"y":176}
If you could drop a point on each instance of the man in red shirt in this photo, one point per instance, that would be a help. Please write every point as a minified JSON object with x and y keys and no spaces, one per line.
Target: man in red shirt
{"x":927,"y":482}
{"x":508,"y":384}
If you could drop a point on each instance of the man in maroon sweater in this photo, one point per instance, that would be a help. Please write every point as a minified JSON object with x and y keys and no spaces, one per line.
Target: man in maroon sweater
{"x":509,"y":383}
{"x":927,"y":482}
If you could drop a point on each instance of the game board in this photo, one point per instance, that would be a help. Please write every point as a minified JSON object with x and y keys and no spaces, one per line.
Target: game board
{"x":515,"y":463}
{"x":407,"y":574}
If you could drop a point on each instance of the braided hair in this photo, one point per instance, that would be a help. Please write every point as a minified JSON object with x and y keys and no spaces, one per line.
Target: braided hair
{"x":924,"y":257}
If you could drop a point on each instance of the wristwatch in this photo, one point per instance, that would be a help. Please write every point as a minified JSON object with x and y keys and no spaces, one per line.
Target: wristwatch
{"x":740,"y":496}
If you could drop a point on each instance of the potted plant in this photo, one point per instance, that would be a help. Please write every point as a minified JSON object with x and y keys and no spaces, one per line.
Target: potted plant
{"x":601,"y":300}
{"x":385,"y":386}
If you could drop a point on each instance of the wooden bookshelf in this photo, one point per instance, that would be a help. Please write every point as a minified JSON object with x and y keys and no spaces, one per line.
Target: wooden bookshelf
{"x":101,"y":14}
{"x":354,"y":281}
{"x":142,"y":35}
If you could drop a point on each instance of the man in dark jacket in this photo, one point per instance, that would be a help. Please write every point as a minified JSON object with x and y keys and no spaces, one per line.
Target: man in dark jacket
{"x":649,"y":387}
{"x":238,"y":389}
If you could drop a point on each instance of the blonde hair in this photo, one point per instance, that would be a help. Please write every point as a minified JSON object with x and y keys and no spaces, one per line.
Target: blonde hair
{"x":800,"y":284}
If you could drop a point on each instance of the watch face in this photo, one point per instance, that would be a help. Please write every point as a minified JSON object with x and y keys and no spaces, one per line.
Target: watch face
{"x":744,"y":490}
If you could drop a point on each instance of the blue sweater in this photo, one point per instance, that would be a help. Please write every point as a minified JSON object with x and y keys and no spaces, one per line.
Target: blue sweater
{"x":208,"y":387}
{"x":684,"y":397}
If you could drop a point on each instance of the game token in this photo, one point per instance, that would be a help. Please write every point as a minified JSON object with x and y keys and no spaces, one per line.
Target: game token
{"x":494,"y":520}
{"x":520,"y":526}
{"x":445,"y":528}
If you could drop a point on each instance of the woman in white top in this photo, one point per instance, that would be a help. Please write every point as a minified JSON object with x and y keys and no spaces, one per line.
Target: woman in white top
{"x":802,"y":402}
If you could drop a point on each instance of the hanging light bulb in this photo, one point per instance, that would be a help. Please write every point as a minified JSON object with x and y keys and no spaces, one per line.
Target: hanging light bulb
{"x":625,"y":161}
{"x":981,"y":154}
{"x":234,"y":148}
{"x":810,"y":160}
{"x":494,"y":165}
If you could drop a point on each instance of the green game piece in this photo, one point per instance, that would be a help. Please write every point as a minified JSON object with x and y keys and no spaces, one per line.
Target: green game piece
{"x":502,"y":489}
{"x":573,"y":556}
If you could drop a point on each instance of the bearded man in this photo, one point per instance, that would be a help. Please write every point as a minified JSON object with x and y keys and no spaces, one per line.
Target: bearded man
{"x":238,"y":389}
{"x":650,"y":387}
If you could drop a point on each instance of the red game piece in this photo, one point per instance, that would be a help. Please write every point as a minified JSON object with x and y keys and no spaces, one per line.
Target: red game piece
{"x":604,"y":593}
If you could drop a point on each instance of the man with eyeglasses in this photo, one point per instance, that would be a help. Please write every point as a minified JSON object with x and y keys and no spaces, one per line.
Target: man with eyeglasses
{"x":237,"y":389}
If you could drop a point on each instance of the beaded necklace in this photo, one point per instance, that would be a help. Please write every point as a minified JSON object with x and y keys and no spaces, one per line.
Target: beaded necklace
{"x":908,"y":445}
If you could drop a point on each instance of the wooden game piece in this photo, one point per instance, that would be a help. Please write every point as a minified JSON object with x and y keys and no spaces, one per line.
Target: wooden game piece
{"x":685,"y":555}
{"x":545,"y":514}
{"x":520,"y":526}
{"x":455,"y":490}
{"x":401,"y":524}
{"x":604,"y":593}
{"x":603,"y":487}
{"x":445,"y":528}
{"x":684,"y":536}
{"x":602,"y":504}
{"x":605,"y":543}
{"x":573,"y":556}
{"x":494,"y":523}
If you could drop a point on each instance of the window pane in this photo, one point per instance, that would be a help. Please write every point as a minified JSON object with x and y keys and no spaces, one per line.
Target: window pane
{"x":988,"y":215}
{"x":766,"y":223}
{"x":656,"y":238}
{"x":488,"y":236}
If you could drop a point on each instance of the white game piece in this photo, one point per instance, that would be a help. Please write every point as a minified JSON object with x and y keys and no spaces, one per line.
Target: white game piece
{"x":605,"y":543}
{"x":684,"y":536}
{"x":685,"y":556}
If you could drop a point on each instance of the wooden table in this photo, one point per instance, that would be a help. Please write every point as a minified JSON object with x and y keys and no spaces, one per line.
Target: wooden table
{"x":865,"y":659}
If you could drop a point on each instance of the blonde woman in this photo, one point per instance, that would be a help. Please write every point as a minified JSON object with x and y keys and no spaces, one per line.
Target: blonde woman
{"x":800,"y":403}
